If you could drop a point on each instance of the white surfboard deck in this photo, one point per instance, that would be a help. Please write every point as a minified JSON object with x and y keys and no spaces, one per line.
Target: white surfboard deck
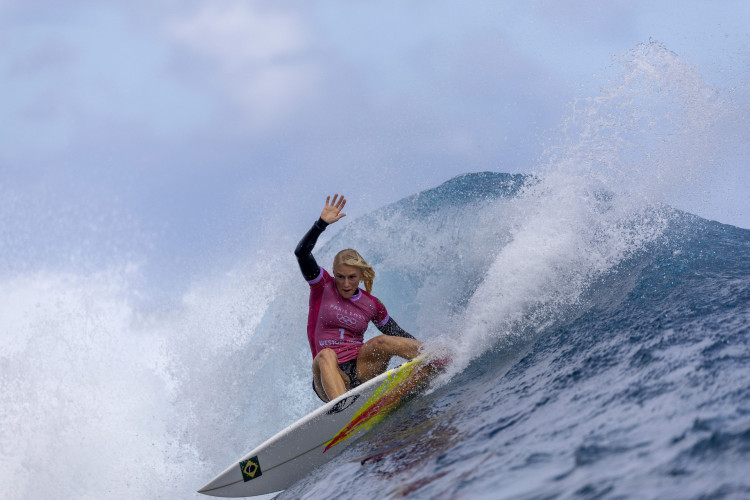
{"x":321,"y":435}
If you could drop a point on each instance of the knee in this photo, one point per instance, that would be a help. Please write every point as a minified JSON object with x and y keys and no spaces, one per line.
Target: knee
{"x":327,"y":357}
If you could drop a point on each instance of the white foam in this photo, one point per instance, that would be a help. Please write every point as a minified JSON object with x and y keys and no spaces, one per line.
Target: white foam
{"x":599,"y":198}
{"x":103,"y":400}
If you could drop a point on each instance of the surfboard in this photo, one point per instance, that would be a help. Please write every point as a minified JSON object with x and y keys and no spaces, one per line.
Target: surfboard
{"x":323,"y":434}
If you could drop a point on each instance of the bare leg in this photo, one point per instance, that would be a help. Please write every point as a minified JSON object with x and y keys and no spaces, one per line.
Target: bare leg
{"x":328,"y":378}
{"x":377,"y":352}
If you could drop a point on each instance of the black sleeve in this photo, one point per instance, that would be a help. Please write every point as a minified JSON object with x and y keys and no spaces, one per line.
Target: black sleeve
{"x":392,"y":328}
{"x":303,"y":252}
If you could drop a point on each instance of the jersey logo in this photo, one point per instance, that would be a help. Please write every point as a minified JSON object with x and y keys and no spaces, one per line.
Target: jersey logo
{"x":347,"y":320}
{"x":250,"y":469}
{"x":343,"y":404}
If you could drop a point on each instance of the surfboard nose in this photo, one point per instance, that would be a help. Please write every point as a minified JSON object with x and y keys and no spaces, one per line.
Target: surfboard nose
{"x":212,"y":488}
{"x":207,"y":488}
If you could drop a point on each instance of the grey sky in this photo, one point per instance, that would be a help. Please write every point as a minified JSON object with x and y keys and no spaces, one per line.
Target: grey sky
{"x":182,"y":134}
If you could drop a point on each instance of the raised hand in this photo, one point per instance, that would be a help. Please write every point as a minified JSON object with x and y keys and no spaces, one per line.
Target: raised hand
{"x":332,"y":211}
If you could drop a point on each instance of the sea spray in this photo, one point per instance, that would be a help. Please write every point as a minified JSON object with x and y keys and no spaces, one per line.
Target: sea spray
{"x":84,"y":391}
{"x":219,"y":357}
{"x":651,"y":134}
{"x":599,"y":198}
{"x":104,"y":396}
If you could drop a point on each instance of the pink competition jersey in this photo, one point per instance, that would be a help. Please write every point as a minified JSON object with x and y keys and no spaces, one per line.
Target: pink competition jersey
{"x":338,"y":323}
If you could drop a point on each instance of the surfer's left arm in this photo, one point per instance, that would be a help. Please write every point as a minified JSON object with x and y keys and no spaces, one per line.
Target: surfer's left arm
{"x":391,"y":328}
{"x":330,"y":214}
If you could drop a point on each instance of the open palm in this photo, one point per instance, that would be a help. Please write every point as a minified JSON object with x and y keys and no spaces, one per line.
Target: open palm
{"x":332,"y":211}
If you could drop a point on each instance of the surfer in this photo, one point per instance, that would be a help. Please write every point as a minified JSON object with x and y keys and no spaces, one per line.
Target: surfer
{"x":340,"y":312}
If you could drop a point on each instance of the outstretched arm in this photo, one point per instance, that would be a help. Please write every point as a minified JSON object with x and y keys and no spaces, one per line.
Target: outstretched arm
{"x":330,"y":214}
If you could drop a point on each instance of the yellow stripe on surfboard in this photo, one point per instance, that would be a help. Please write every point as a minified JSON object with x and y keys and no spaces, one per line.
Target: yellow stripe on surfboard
{"x":379,"y":404}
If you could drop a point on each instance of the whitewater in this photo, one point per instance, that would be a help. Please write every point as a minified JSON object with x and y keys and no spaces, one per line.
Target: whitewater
{"x":601,"y":336}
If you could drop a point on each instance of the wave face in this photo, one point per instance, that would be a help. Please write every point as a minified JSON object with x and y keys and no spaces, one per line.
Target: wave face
{"x":590,"y":363}
{"x":600,"y":336}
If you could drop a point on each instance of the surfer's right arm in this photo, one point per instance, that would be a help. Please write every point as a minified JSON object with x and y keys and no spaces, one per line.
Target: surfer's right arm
{"x":330,"y":214}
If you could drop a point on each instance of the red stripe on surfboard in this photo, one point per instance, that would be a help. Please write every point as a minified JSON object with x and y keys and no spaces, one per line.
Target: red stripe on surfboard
{"x":383,"y":403}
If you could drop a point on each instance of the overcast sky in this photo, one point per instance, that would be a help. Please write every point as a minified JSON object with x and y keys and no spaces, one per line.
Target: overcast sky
{"x":176,"y":132}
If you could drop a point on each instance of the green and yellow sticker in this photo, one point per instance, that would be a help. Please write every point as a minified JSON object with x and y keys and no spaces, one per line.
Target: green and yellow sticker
{"x":250,"y":469}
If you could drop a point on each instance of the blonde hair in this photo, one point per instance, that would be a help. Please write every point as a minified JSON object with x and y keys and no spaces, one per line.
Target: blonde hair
{"x":351,"y":257}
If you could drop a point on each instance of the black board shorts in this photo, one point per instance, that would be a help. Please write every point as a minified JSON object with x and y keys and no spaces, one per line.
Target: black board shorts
{"x":348,"y":367}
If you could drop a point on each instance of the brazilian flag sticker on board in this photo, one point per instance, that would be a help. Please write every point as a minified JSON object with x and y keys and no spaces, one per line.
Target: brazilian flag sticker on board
{"x":250,"y":469}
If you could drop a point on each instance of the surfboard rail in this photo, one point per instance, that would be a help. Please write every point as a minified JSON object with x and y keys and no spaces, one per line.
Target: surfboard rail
{"x":322,"y":434}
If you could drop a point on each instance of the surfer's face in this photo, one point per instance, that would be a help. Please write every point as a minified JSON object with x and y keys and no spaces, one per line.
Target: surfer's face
{"x":347,"y":279}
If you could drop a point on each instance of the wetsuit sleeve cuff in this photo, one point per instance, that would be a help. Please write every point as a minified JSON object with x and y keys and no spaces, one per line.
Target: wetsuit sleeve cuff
{"x":321,"y":224}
